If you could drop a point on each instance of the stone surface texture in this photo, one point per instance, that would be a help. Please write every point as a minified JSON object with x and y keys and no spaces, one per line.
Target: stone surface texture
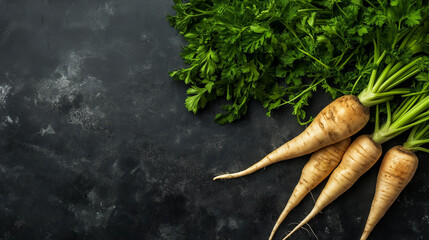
{"x":96,"y":143}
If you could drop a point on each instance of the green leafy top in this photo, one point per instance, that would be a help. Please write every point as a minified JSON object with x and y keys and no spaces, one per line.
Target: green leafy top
{"x":279,"y":52}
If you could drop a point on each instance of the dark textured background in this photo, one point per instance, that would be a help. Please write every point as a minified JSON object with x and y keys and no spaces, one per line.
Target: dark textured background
{"x":95,"y":141}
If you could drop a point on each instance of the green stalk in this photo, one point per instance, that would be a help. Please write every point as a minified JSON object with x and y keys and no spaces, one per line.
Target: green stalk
{"x":408,"y":126}
{"x":370,"y":98}
{"x":419,"y":142}
{"x":382,"y":5}
{"x":398,"y":91}
{"x":416,"y":149}
{"x":394,"y":73}
{"x":339,"y":58}
{"x":407,"y":38}
{"x":422,"y":133}
{"x":370,"y":3}
{"x":308,"y":10}
{"x":354,"y":85}
{"x":395,"y":68}
{"x":361,"y":75}
{"x":372,"y":79}
{"x":410,"y":73}
{"x":373,"y":102}
{"x":293,"y":33}
{"x":382,"y":76}
{"x":383,"y":54}
{"x":416,"y":48}
{"x":389,"y":115}
{"x":413,"y":133}
{"x":395,"y":41}
{"x":377,"y":62}
{"x":321,"y":21}
{"x":418,"y":136}
{"x":374,"y":72}
{"x":415,"y":93}
{"x":347,"y":60}
{"x":303,"y":92}
{"x":311,"y":56}
{"x":412,"y":112}
{"x":423,"y":115}
{"x":342,"y":11}
{"x":387,"y":83}
{"x":404,"y":107}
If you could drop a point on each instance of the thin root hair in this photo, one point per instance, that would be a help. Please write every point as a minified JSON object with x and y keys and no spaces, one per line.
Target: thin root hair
{"x":312,"y":197}
{"x":311,"y":230}
{"x":294,"y":223}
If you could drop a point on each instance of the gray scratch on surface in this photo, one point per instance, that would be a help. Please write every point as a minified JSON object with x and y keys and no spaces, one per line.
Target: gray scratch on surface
{"x":4,"y":90}
{"x":327,"y":230}
{"x":334,"y":220}
{"x":9,"y":120}
{"x":168,"y":231}
{"x":231,"y":223}
{"x":146,"y":37}
{"x":72,"y":165}
{"x":100,"y":17}
{"x":69,"y":86}
{"x":92,"y":217}
{"x":47,"y":130}
{"x":86,"y":117}
{"x":71,"y":66}
{"x":133,"y":70}
{"x":425,"y":219}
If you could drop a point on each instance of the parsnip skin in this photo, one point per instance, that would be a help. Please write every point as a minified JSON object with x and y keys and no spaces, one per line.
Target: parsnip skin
{"x":320,"y":165}
{"x":361,"y":155}
{"x":339,"y":120}
{"x":396,"y":171}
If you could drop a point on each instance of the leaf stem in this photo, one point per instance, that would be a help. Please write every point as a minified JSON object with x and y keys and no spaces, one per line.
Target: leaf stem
{"x":293,"y":33}
{"x":342,"y":11}
{"x":395,"y":78}
{"x":370,"y":3}
{"x":361,"y":75}
{"x":415,"y":149}
{"x":389,"y":114}
{"x":314,"y":58}
{"x":347,"y":60}
{"x":404,"y":107}
{"x":382,"y":76}
{"x":395,"y":68}
{"x":413,"y":112}
{"x":303,"y":92}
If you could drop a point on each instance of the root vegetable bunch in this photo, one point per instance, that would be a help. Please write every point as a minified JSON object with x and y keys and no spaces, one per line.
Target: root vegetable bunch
{"x":371,"y":57}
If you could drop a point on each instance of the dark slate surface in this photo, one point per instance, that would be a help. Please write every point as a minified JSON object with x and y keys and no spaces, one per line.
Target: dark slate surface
{"x":95,"y":141}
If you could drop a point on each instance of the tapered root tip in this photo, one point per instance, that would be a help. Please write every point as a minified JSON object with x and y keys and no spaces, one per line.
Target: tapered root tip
{"x":303,"y":222}
{"x":365,"y":235}
{"x":281,"y":218}
{"x":224,"y":176}
{"x":272,"y":235}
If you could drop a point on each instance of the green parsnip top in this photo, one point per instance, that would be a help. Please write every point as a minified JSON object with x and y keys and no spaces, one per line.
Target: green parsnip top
{"x":413,"y":111}
{"x":280,"y":51}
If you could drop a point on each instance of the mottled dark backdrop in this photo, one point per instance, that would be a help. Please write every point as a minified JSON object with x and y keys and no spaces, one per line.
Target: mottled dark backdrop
{"x":95,"y":141}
